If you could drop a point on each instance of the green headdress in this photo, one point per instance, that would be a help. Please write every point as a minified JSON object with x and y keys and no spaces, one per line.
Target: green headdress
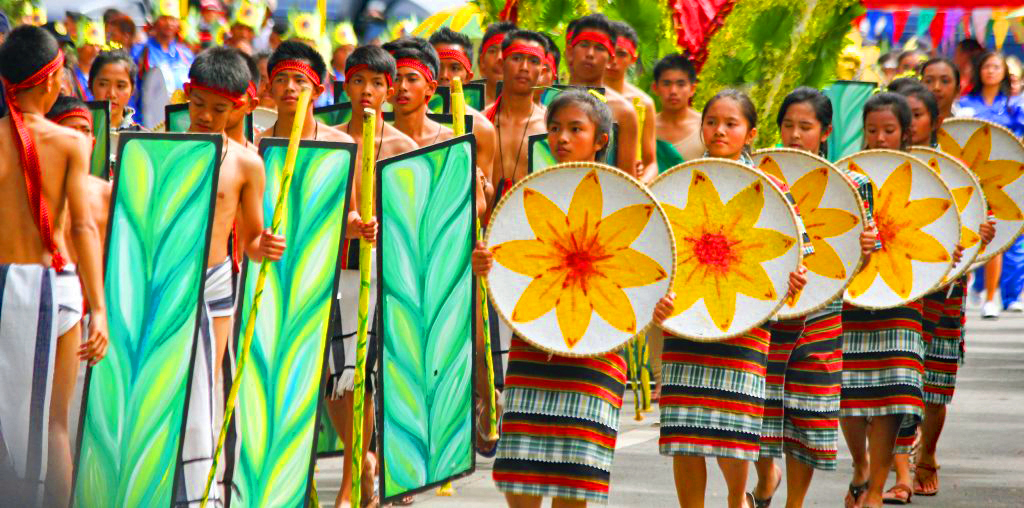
{"x":90,"y":32}
{"x":343,"y":34}
{"x":250,"y":13}
{"x":304,"y":25}
{"x":190,"y":28}
{"x":34,"y":14}
{"x":170,"y":8}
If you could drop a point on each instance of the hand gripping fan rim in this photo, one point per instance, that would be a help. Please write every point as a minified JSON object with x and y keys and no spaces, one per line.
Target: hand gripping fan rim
{"x":584,"y":165}
{"x":991,"y":253}
{"x":791,"y":215}
{"x":913,"y":160}
{"x":849,"y":185}
{"x":965,"y":264}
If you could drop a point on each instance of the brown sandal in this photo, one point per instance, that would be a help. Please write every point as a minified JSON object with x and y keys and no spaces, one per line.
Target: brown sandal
{"x":900,"y":493}
{"x":855,"y":495}
{"x":919,"y":481}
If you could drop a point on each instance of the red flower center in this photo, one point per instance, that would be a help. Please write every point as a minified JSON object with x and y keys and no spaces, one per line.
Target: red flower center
{"x":713,"y":249}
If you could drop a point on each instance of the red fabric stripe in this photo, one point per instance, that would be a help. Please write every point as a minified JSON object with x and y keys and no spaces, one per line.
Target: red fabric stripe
{"x":550,"y":480}
{"x":458,"y":56}
{"x":596,"y":37}
{"x":729,"y":406}
{"x":417,"y":66}
{"x":558,"y":430}
{"x":349,"y":71}
{"x":299,"y":66}
{"x":714,"y":361}
{"x":566,"y":386}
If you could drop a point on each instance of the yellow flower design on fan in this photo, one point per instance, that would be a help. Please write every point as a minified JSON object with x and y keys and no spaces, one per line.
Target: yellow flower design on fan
{"x":580,"y":262}
{"x":994,"y":174}
{"x":821,"y":223}
{"x":899,"y":221}
{"x":962,"y":197}
{"x":720,"y":251}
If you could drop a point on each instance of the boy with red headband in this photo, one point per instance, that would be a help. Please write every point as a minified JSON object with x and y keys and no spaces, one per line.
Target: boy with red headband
{"x":218,"y":81}
{"x":236,"y":122}
{"x":550,"y":75}
{"x":489,"y":64}
{"x":515,"y":116}
{"x":627,"y":45}
{"x":74,"y":114}
{"x":455,"y":51}
{"x":31,"y":65}
{"x":588,"y":51}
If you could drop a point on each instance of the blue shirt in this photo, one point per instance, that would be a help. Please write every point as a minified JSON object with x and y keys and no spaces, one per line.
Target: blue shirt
{"x":1005,"y":111}
{"x":83,"y":84}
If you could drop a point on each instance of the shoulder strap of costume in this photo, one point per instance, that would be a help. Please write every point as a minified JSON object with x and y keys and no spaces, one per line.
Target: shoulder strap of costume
{"x":29,"y":157}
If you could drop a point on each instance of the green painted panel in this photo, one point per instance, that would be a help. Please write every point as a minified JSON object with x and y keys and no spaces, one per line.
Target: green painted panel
{"x":333,"y":115}
{"x":99,"y":162}
{"x":177,"y":119}
{"x":135,"y":399}
{"x":848,"y":98}
{"x":426,"y":290}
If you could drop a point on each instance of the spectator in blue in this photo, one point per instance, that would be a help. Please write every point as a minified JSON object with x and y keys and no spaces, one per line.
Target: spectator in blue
{"x":990,"y":99}
{"x":164,"y":51}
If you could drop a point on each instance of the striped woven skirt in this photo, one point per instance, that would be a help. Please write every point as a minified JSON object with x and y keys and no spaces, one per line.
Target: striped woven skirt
{"x":712,"y":396}
{"x":944,"y":342}
{"x":803,"y":386}
{"x":883,"y":366}
{"x":560,"y":423}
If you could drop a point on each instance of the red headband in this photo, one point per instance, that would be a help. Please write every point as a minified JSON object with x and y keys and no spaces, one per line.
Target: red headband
{"x":251,"y":91}
{"x":237,"y":99}
{"x":494,"y":40}
{"x":524,"y":49}
{"x":74,"y":113}
{"x":626,"y":44}
{"x":29,"y":156}
{"x":458,"y":56}
{"x":416,"y":65}
{"x":592,"y":36}
{"x":349,"y":71}
{"x":297,"y":66}
{"x":550,"y":59}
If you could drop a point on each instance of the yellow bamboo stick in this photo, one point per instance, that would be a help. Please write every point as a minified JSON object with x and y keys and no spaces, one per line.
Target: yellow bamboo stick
{"x":645,"y":372}
{"x":365,"y":253}
{"x":641,"y":115}
{"x":250,"y":326}
{"x":631,"y":369}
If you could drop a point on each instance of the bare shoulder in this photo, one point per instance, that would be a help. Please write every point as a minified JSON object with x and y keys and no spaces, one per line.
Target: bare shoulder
{"x":100,"y":187}
{"x":397,"y":140}
{"x":635,"y":91}
{"x":247,"y":161}
{"x":480,"y":122}
{"x":51,"y":134}
{"x":329,"y":133}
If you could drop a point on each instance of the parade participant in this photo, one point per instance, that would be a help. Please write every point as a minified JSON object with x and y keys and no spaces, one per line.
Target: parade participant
{"x":121,"y":32}
{"x":880,"y":345}
{"x":910,"y":60}
{"x":491,"y":68}
{"x":552,"y":447}
{"x":694,"y":420}
{"x":678,"y":123}
{"x":942,"y":78}
{"x":966,"y":52}
{"x":344,"y":40}
{"x":801,"y":418}
{"x":587,"y":54}
{"x":455,"y":51}
{"x":627,"y":45}
{"x":247,"y":19}
{"x":112,"y":79}
{"x":989,"y":99}
{"x":291,"y":67}
{"x":31,"y":65}
{"x":236,"y":122}
{"x":515,"y":116}
{"x":89,"y":40}
{"x":369,"y":81}
{"x":942,"y":329}
{"x":266,"y":100}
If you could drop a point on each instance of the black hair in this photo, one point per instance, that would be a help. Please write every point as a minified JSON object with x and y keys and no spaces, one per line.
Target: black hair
{"x":623,"y":29}
{"x":890,"y":57}
{"x":63,"y":105}
{"x":221,"y":67}
{"x":898,"y":105}
{"x":445,"y":35}
{"x":908,"y":53}
{"x":280,"y":27}
{"x":117,"y":56}
{"x":524,"y":35}
{"x":553,"y":49}
{"x":295,"y":50}
{"x":678,"y":62}
{"x":941,"y":60}
{"x":746,"y":108}
{"x":373,"y":57}
{"x":111,"y":14}
{"x":253,"y":66}
{"x":909,"y":87}
{"x":416,"y":48}
{"x":979,"y":61}
{"x":124,"y":24}
{"x":498,"y":27}
{"x":970,"y":46}
{"x":25,"y":51}
{"x":598,"y":22}
{"x":819,"y":102}
{"x":597,"y":111}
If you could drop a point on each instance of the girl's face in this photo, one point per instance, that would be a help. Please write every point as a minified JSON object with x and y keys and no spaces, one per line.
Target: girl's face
{"x":993,"y":71}
{"x":800,"y":128}
{"x":725,"y":129}
{"x":573,"y":136}
{"x":921,"y":123}
{"x":882,"y":130}
{"x":114,"y":84}
{"x":940,"y":80}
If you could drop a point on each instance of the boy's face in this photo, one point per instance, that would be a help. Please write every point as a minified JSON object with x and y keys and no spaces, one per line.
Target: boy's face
{"x":491,"y":63}
{"x":674,"y":88}
{"x":79,"y":124}
{"x":451,"y":68}
{"x":620,"y":62}
{"x":522,"y":70}
{"x":368,"y":89}
{"x":285,"y":88}
{"x":238,"y":115}
{"x":210,"y":112}
{"x":588,"y":60}
{"x":412,"y":90}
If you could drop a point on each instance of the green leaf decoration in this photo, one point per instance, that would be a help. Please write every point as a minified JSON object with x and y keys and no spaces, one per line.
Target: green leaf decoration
{"x":280,"y":392}
{"x":335,"y":114}
{"x":135,"y":398}
{"x":427,"y":211}
{"x":99,"y":162}
{"x":848,"y":98}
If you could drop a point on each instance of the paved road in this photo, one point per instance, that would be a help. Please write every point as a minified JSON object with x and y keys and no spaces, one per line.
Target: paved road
{"x":981,"y":450}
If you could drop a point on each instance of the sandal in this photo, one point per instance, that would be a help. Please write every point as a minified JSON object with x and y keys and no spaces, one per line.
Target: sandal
{"x":918,"y":481}
{"x":855,"y":494}
{"x":900,"y":493}
{"x":758,"y":503}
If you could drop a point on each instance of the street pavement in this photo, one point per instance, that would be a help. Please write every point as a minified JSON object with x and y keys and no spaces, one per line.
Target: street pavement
{"x":981,"y":451}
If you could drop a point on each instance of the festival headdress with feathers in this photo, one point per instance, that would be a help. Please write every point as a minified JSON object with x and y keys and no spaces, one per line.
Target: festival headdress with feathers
{"x":343,"y":34}
{"x":34,"y":14}
{"x":89,"y":32}
{"x":250,"y":13}
{"x":170,"y":8}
